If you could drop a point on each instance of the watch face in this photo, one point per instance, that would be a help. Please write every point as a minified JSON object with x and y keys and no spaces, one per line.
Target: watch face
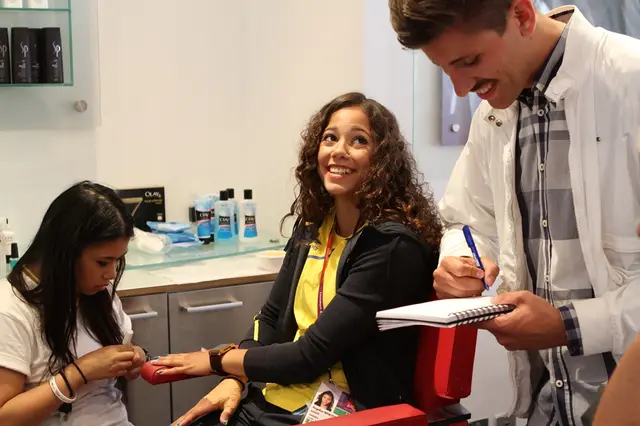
{"x":221,"y":347}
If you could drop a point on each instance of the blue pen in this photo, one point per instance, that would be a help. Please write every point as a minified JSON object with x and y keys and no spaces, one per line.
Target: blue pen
{"x":472,"y":245}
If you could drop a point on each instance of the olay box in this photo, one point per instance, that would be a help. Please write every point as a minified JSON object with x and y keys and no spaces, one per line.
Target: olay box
{"x":144,"y":204}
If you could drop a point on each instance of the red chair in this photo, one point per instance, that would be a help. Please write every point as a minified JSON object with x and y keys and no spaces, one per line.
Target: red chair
{"x":443,"y":377}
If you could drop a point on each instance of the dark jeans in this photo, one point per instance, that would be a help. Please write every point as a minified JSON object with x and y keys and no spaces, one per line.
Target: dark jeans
{"x":253,"y":410}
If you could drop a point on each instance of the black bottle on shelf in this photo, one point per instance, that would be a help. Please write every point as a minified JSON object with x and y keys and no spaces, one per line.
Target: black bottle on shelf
{"x":20,"y":55}
{"x":5,"y":57}
{"x":51,"y":66}
{"x":35,"y":39}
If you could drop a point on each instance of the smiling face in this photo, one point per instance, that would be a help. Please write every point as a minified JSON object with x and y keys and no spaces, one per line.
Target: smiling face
{"x":345,"y":151}
{"x":97,"y":266}
{"x":326,"y":400}
{"x":497,"y":67}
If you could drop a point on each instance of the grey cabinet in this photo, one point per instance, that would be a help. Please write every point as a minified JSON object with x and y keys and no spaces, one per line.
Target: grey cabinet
{"x":206,"y":318}
{"x":185,"y":322}
{"x":146,"y":404}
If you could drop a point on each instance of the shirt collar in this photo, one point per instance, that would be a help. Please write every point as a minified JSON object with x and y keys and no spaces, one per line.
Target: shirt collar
{"x":550,"y":68}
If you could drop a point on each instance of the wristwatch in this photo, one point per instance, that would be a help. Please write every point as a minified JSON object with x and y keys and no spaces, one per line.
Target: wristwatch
{"x":215,"y":357}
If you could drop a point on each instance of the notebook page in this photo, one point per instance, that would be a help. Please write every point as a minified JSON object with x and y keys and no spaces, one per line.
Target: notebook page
{"x":438,"y":311}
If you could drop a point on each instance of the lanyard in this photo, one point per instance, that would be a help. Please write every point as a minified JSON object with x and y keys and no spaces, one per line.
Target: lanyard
{"x":327,"y":253}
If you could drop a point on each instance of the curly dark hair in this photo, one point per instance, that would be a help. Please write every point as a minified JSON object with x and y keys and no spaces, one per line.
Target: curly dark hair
{"x":392,"y":189}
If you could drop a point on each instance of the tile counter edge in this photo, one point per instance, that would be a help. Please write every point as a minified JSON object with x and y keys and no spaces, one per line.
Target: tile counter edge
{"x":172,"y":287}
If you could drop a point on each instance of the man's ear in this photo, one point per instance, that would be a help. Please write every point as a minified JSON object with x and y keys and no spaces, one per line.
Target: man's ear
{"x":526,"y":15}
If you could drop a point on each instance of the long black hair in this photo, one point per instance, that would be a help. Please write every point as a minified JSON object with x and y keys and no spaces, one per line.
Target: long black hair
{"x":319,"y":400}
{"x":85,"y":214}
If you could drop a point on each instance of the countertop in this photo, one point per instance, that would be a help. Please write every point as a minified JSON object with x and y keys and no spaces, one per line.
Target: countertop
{"x":198,"y":275}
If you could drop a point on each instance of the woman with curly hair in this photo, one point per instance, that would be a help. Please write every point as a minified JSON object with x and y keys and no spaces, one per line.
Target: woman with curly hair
{"x":366,"y":239}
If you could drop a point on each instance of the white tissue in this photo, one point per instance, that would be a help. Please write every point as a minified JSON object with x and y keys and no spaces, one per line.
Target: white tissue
{"x":151,"y":243}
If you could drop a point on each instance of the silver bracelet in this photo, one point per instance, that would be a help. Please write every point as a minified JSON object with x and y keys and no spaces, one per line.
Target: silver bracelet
{"x":56,"y":391}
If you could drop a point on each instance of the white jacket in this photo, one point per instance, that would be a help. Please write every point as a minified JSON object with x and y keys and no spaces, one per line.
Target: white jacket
{"x":599,"y":81}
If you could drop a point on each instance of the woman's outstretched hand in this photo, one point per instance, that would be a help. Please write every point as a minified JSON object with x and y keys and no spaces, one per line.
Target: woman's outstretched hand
{"x":193,"y":364}
{"x":225,"y":397}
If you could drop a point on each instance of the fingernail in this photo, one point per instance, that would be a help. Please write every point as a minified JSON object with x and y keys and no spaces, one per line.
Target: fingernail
{"x":156,"y":357}
{"x":480,"y":274}
{"x":489,"y":280}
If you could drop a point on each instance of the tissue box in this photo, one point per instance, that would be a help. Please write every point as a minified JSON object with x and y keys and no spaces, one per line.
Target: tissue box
{"x":144,"y":204}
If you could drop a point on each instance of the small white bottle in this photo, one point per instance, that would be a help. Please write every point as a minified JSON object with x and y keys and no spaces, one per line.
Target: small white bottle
{"x":6,"y":238}
{"x":224,"y":218}
{"x":248,"y":230}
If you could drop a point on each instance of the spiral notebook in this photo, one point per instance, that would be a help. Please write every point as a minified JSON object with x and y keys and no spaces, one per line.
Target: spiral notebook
{"x":445,"y":313}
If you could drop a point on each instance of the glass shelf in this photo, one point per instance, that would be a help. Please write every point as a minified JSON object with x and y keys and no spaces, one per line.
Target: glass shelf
{"x":178,"y":255}
{"x":37,"y":85}
{"x":55,"y":106}
{"x":32,"y":9}
{"x":58,"y":14}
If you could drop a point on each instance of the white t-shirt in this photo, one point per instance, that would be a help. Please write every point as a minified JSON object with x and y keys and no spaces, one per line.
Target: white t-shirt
{"x":23,"y":349}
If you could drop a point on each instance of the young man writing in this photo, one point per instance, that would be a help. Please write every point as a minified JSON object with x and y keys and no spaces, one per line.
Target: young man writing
{"x":549,"y":183}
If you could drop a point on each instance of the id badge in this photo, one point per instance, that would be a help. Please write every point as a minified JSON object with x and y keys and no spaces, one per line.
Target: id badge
{"x":329,"y":401}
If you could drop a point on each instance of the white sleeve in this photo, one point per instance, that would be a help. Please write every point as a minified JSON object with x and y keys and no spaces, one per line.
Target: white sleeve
{"x":123,"y":318}
{"x":468,"y":200}
{"x":15,"y":346}
{"x":610,"y":322}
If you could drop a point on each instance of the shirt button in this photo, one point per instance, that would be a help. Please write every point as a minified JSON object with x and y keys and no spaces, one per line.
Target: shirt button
{"x":541,"y":167}
{"x":559,"y":383}
{"x":540,"y":112}
{"x":499,"y":123}
{"x":492,"y":118}
{"x":547,"y":278}
{"x":544,"y":223}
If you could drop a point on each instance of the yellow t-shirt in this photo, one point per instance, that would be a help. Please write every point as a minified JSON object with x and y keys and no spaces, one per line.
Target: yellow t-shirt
{"x":305,"y":309}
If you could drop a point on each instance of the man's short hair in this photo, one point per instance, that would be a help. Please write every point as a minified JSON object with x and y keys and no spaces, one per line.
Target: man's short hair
{"x":418,"y":22}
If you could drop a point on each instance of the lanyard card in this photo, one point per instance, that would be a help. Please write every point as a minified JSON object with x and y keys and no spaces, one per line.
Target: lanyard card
{"x":329,"y":401}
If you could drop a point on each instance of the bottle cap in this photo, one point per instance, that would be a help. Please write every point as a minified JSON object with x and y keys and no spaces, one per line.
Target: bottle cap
{"x":232,"y":193}
{"x":14,"y":250}
{"x":224,"y":195}
{"x":192,"y":214}
{"x":248,"y":194}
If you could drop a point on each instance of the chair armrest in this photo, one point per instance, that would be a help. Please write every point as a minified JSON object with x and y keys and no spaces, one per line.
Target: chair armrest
{"x":396,"y":415}
{"x":149,"y":372}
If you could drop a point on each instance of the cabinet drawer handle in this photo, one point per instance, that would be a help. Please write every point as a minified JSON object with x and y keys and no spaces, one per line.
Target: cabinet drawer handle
{"x":212,"y":308}
{"x":143,"y":315}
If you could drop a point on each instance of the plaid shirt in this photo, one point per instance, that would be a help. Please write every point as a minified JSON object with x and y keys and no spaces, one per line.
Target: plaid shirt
{"x":570,"y":381}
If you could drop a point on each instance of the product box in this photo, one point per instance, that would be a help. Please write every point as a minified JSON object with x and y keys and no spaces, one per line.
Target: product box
{"x":144,"y":204}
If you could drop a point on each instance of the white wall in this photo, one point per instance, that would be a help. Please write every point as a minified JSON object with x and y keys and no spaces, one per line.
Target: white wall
{"x":35,"y":166}
{"x":229,"y":114}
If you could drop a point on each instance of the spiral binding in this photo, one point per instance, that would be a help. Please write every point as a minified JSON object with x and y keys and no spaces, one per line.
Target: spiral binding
{"x":480,"y":314}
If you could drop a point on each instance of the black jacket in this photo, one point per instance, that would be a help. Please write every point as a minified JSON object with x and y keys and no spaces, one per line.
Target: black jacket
{"x":381,"y":267}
